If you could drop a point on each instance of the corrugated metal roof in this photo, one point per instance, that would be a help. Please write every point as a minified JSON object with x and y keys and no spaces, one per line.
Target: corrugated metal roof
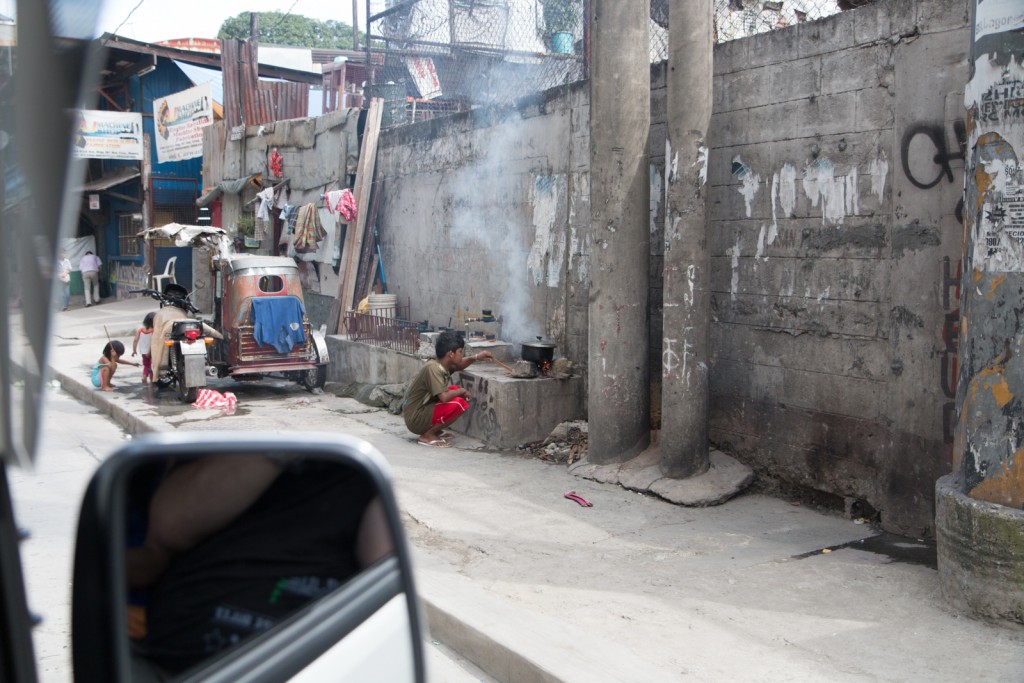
{"x":122,"y":175}
{"x":198,"y":75}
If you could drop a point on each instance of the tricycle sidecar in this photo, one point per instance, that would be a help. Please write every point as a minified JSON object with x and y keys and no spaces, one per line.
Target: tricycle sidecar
{"x":261,"y":311}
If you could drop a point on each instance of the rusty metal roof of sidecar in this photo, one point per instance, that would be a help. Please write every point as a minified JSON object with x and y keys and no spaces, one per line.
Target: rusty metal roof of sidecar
{"x":241,"y":262}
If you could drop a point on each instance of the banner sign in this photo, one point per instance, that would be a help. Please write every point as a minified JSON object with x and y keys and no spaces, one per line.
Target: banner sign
{"x":108,"y":135}
{"x":179,"y":120}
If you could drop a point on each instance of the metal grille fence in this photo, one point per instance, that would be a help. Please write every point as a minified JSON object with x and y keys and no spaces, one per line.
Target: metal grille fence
{"x":383,"y":331}
{"x":439,"y":56}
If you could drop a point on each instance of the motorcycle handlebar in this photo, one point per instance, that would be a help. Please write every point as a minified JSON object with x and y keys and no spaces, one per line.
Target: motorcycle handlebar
{"x":163,"y":298}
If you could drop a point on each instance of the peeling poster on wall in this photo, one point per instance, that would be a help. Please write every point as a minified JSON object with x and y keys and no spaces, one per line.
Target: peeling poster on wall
{"x":1002,"y":218}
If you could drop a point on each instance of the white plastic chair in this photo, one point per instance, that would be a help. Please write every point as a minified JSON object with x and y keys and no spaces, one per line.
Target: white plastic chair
{"x":168,"y":274}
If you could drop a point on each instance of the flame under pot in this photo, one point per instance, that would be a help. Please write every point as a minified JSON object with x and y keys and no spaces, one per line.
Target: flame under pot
{"x":538,"y":352}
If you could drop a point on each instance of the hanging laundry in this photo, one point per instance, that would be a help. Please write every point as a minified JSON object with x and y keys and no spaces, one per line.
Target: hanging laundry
{"x":276,"y":164}
{"x":331,"y":199}
{"x":346,"y":205}
{"x":308,"y":229}
{"x":262,"y":229}
{"x":266,"y":198}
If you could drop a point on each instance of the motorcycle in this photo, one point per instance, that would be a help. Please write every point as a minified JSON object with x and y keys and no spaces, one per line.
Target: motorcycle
{"x":180,"y":342}
{"x":259,"y":324}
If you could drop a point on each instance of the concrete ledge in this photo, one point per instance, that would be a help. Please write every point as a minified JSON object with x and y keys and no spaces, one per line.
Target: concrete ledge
{"x":506,"y":412}
{"x":981,"y":555}
{"x":353,"y":361}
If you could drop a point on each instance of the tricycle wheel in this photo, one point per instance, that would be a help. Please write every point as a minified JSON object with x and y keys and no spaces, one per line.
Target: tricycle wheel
{"x":315,"y":378}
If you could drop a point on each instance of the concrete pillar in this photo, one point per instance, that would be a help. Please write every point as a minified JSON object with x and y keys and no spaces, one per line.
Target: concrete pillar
{"x":988,"y":451}
{"x":980,"y":521}
{"x":620,"y":114}
{"x":687,"y":276}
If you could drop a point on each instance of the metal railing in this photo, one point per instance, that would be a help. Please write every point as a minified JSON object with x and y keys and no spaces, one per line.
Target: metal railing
{"x":383,"y":331}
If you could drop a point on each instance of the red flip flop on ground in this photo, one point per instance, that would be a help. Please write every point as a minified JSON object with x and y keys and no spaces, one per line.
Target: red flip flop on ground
{"x":435,"y":443}
{"x":583,"y":502}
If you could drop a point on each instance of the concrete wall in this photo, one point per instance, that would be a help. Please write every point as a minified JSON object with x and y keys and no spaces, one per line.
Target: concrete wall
{"x":834,"y":235}
{"x":356,"y":362}
{"x":319,"y":154}
{"x":834,"y":239}
{"x":489,"y":210}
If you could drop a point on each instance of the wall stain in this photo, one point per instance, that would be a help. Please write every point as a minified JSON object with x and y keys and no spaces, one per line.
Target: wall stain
{"x":914,"y":237}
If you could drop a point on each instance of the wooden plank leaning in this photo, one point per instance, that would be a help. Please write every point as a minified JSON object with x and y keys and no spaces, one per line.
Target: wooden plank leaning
{"x":364,"y":183}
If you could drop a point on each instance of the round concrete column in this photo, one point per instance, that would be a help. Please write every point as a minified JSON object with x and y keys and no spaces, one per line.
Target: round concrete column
{"x":618,"y":396}
{"x":980,"y":526}
{"x":981,"y":554}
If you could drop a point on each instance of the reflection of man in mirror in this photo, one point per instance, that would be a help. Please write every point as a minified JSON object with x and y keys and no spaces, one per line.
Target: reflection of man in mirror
{"x":236,"y":543}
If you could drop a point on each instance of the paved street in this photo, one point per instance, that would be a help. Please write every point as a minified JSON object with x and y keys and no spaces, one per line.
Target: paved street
{"x":535,"y":588}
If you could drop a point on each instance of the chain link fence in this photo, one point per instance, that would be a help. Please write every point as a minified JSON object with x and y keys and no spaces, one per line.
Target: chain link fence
{"x":438,"y":56}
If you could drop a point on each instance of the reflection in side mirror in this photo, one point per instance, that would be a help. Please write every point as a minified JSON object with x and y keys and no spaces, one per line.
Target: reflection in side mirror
{"x":242,"y":557}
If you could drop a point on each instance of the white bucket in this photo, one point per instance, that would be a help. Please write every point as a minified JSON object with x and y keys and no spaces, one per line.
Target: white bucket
{"x":383,"y":305}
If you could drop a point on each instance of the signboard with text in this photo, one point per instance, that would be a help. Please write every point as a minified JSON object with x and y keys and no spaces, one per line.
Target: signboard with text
{"x":179,"y":120}
{"x":108,"y":135}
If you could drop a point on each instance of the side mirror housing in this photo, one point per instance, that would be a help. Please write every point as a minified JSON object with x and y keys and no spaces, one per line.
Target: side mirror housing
{"x":244,"y":557}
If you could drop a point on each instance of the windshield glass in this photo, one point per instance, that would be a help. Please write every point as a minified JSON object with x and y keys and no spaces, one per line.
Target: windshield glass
{"x":48,"y":67}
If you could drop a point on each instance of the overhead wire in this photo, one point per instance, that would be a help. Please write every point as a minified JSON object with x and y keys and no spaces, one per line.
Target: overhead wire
{"x":282,"y":18}
{"x":129,"y":16}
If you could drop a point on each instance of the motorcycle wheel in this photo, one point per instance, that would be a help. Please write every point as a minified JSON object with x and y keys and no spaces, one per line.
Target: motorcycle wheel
{"x":185,"y":393}
{"x":315,"y":378}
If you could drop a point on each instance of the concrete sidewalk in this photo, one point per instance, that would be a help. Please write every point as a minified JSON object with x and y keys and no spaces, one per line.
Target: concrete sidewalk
{"x":532,"y":587}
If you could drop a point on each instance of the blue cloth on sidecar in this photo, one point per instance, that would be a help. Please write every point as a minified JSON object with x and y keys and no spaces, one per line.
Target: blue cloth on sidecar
{"x":277,"y":321}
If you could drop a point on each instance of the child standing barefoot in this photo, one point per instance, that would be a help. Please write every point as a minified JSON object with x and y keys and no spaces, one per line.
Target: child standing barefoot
{"x":143,"y":344}
{"x":106,"y":366}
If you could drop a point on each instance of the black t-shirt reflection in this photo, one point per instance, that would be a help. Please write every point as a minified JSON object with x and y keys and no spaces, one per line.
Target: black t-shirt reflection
{"x":292,"y":546}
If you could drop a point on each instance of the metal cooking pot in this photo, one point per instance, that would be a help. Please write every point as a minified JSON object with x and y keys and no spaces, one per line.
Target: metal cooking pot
{"x":538,"y":351}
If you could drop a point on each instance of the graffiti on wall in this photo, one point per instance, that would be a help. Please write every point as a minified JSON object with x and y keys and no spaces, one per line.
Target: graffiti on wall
{"x":929,"y":139}
{"x":481,"y":418}
{"x":950,"y":358}
{"x":128,"y":276}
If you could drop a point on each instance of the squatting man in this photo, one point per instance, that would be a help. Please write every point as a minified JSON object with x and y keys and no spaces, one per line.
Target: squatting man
{"x":432,"y":401}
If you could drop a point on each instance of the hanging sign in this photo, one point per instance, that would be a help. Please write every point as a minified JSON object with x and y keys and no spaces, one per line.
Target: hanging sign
{"x":424,"y":75}
{"x":108,"y":135}
{"x":179,"y":120}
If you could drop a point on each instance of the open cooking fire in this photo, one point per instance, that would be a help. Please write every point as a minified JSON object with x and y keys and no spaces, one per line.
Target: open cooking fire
{"x":543,"y":367}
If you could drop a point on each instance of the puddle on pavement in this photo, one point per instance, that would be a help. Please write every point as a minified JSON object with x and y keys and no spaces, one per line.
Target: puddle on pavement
{"x":896,"y":548}
{"x":165,"y":402}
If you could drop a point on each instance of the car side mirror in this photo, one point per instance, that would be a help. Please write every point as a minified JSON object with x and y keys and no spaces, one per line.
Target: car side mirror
{"x":244,"y":557}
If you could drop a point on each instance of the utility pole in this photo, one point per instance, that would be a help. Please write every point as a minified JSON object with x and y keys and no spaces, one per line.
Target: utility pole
{"x":355,"y":24}
{"x":989,"y":441}
{"x":620,"y":116}
{"x":979,"y":522}
{"x":685,"y":393}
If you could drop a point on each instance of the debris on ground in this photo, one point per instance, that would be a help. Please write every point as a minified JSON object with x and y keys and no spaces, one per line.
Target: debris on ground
{"x":387,"y":396}
{"x":566,"y":443}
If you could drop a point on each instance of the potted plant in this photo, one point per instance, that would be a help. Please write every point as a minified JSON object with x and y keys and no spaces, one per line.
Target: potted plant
{"x":560,"y":18}
{"x":245,"y":227}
